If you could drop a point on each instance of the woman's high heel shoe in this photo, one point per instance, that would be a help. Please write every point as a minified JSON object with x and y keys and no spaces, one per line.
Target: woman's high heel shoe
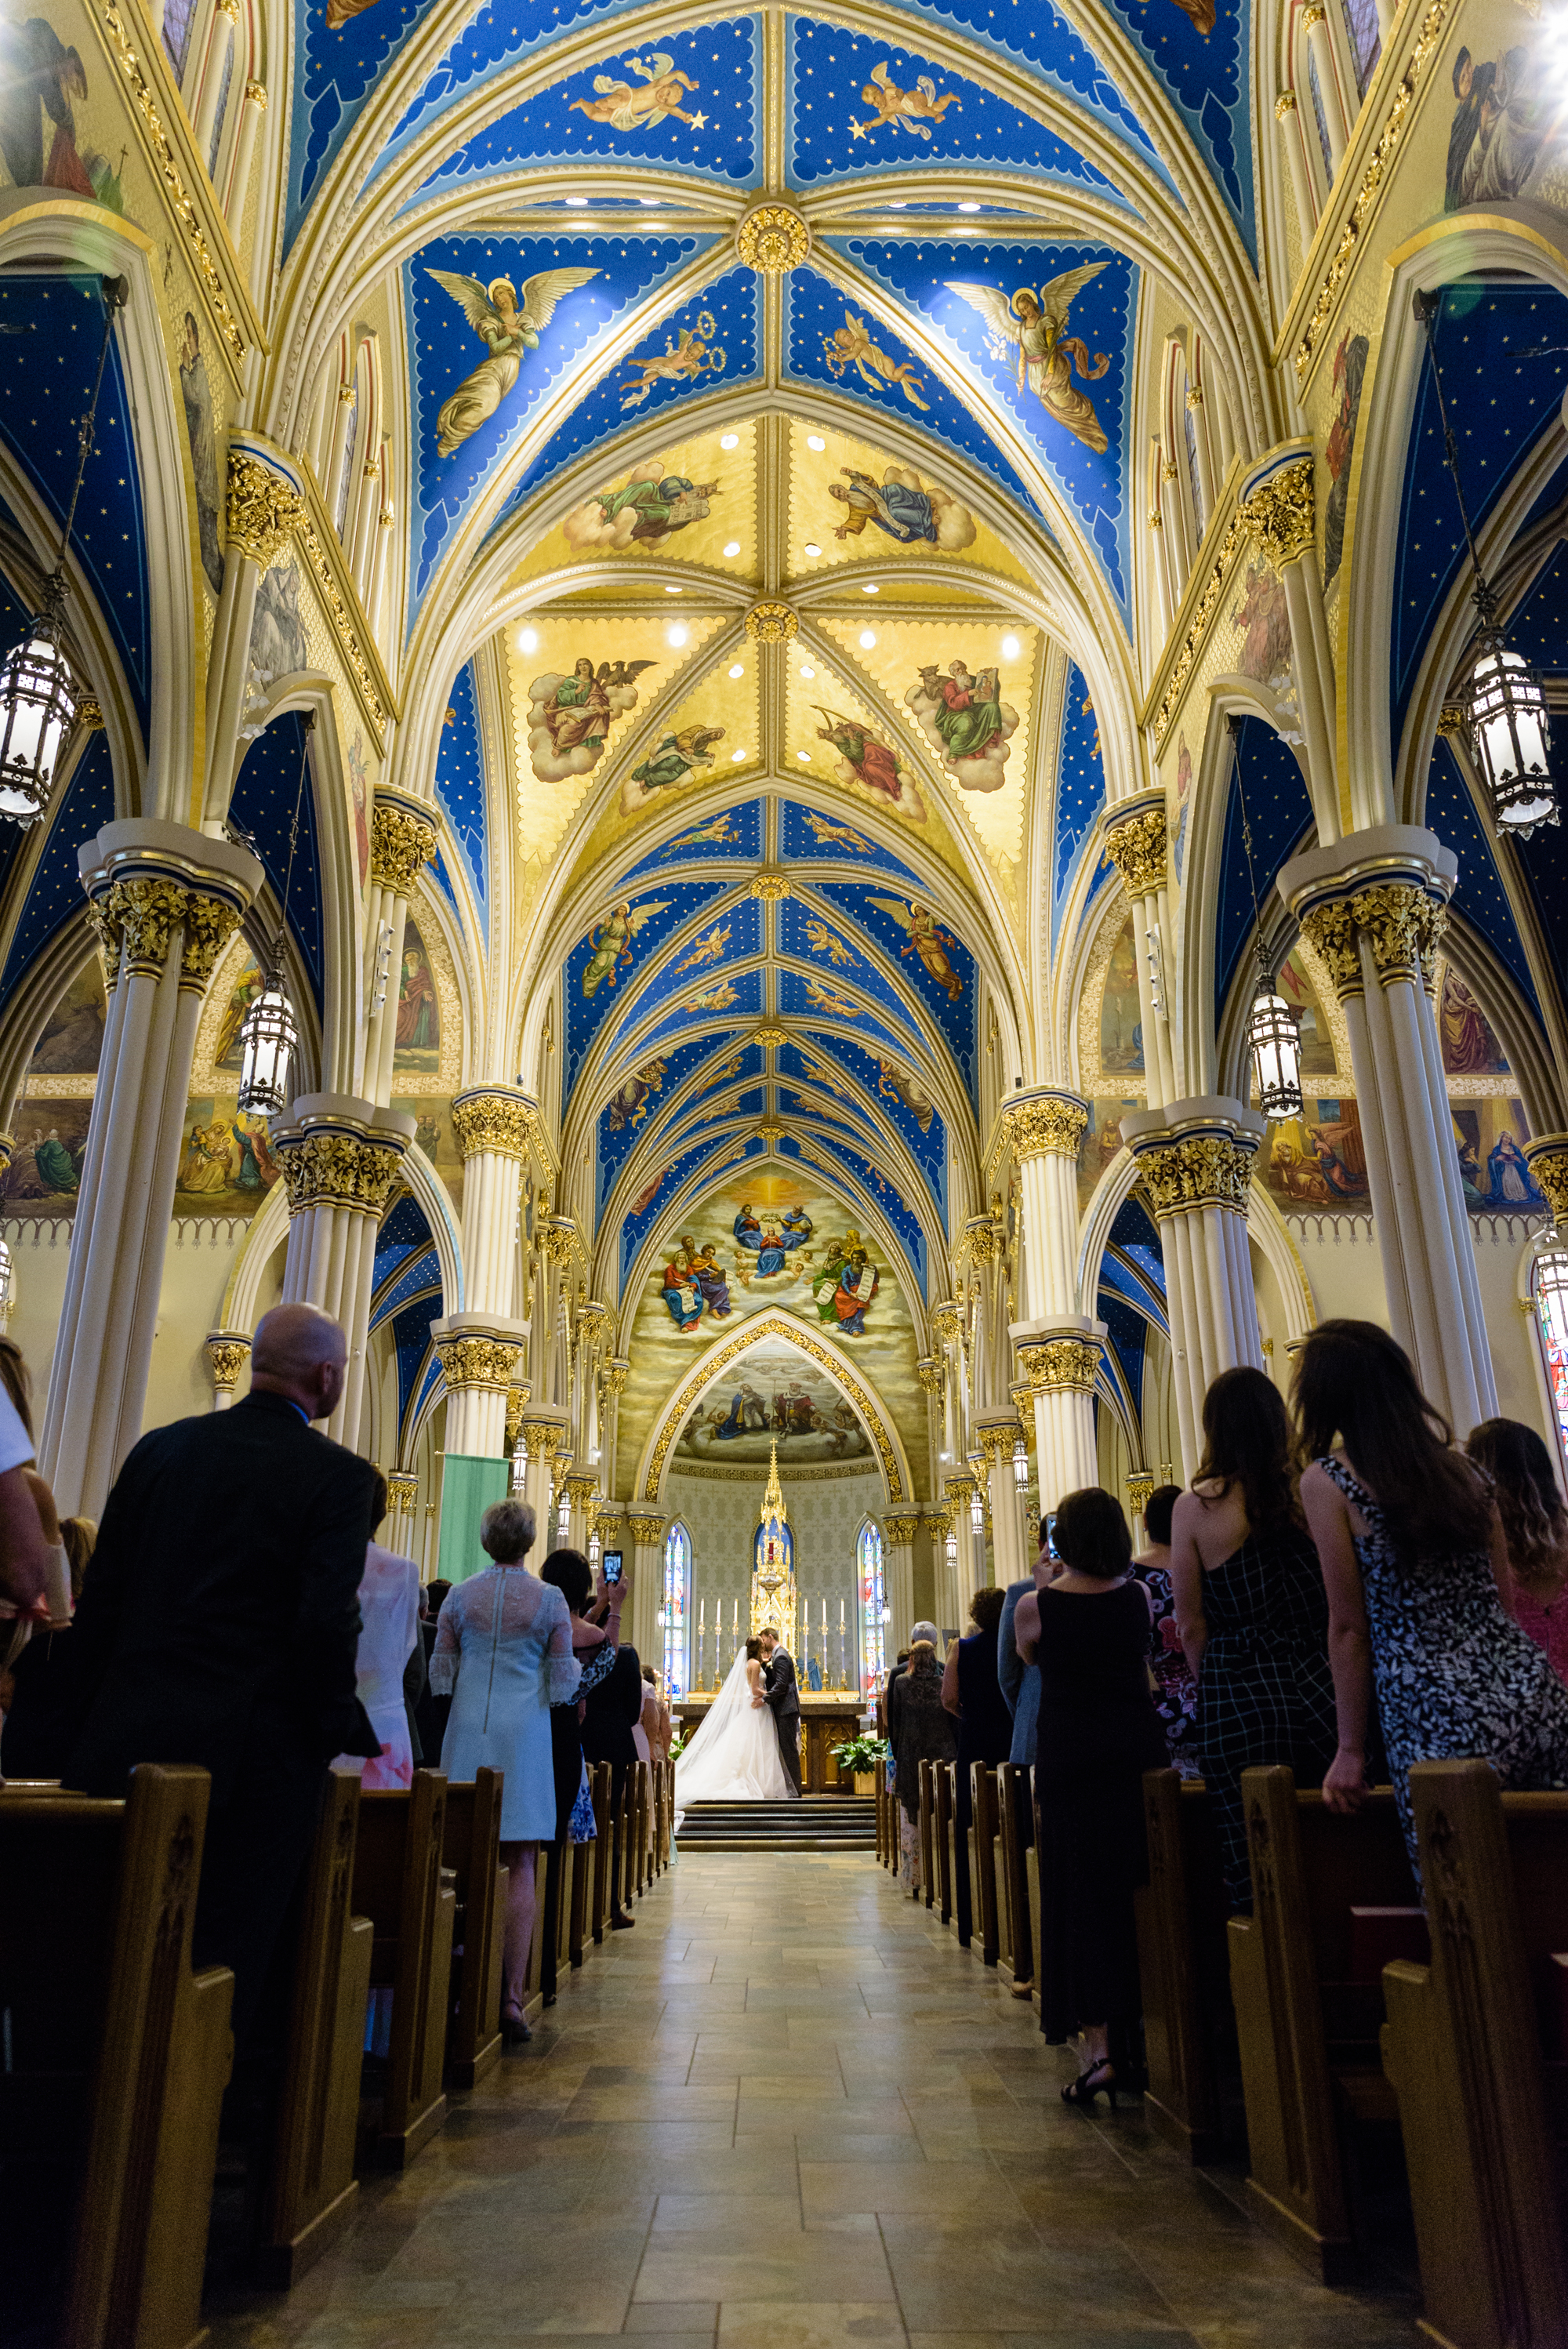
{"x":515,"y":2030}
{"x":1089,"y":2084}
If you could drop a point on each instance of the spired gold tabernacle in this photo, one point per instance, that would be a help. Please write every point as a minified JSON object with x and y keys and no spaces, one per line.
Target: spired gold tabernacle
{"x":773,"y":1570}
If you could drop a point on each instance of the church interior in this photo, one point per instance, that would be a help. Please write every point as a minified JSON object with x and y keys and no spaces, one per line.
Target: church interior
{"x":812,"y":751}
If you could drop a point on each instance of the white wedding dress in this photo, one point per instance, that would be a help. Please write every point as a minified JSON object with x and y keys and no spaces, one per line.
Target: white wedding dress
{"x":735,"y":1756}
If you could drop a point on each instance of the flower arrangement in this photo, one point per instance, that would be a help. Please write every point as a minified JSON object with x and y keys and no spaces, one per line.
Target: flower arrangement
{"x":860,"y":1754}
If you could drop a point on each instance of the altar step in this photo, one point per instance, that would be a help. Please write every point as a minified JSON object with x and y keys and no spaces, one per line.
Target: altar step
{"x":816,"y":1823}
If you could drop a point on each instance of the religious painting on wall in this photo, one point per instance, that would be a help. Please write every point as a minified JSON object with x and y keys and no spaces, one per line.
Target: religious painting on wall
{"x":1120,"y":1013}
{"x":248,"y":984}
{"x":1489,"y":1136}
{"x":1317,"y":1044}
{"x":962,"y":713}
{"x":1507,"y":128}
{"x":1032,"y":327}
{"x":1100,"y":1144}
{"x":436,"y":1135}
{"x":226,"y":1163}
{"x":773,"y":1398}
{"x":1318,"y":1159}
{"x":1349,"y":372}
{"x":46,"y":1171}
{"x":73,"y":1032}
{"x":1469,"y":1047}
{"x":418,"y":1024}
{"x":642,"y":511}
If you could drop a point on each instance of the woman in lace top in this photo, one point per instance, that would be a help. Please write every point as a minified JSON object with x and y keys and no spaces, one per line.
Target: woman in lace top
{"x":503,"y":1653}
{"x":1413,"y":1560}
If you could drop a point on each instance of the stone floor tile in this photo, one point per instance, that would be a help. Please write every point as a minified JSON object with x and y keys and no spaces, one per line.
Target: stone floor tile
{"x":808,"y":2324}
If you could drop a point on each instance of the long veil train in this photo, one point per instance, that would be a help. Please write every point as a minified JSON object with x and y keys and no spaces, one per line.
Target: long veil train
{"x":735,"y":1756}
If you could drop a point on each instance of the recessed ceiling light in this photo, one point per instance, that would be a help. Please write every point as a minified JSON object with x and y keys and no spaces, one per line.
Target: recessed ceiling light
{"x":807,"y":672}
{"x":647,"y":199}
{"x":815,"y":440}
{"x":812,"y":550}
{"x":736,"y":757}
{"x":677,"y":633}
{"x":968,"y":208}
{"x":868,"y":640}
{"x":528,"y":640}
{"x":730,"y":440}
{"x":675,"y":591}
{"x":733,"y":548}
{"x":870,"y":588}
{"x":897,"y":207}
{"x":1009,"y":649}
{"x":577,"y":202}
{"x":738,"y":670}
{"x":804,"y":757}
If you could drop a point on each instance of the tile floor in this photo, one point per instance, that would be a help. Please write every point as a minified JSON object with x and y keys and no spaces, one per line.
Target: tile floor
{"x":788,"y":2112}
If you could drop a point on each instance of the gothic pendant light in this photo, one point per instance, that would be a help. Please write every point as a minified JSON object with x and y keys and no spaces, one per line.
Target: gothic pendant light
{"x":1021,"y":1463}
{"x":1509,"y":724}
{"x":38,"y":694}
{"x":1274,"y":1033}
{"x":269,"y":1031}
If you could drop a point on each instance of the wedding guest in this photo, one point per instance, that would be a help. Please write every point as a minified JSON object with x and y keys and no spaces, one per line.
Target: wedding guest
{"x":430,"y":1710}
{"x":503,"y":1654}
{"x":1249,"y":1610}
{"x":654,"y":1726}
{"x":1415,"y":1561}
{"x":972,"y":1692}
{"x":1175,"y":1686}
{"x":595,"y":1646}
{"x":1535,"y":1529}
{"x":919,"y":1730}
{"x":388,"y":1633}
{"x":611,"y":1718}
{"x":78,"y":1538}
{"x":1086,"y":1633}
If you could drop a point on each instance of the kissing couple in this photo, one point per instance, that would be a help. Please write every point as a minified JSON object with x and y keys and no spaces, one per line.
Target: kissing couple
{"x":747,"y":1749}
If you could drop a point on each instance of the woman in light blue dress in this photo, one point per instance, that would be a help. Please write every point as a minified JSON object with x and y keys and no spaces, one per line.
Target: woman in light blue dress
{"x":503,"y":1654}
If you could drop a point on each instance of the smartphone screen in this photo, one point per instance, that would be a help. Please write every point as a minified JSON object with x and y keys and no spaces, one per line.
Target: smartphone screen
{"x":1051,"y":1549}
{"x":612,"y":1565}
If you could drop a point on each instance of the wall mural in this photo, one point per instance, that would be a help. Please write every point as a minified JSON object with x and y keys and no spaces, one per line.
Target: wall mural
{"x":73,"y":1032}
{"x":1030,"y":329}
{"x":571,"y":714}
{"x":1100,"y":1143}
{"x":45,"y":1170}
{"x":1508,"y":124}
{"x":226,"y":1162}
{"x":965,"y":718}
{"x":774,"y":1397}
{"x":418,"y":1050}
{"x":1120,"y":1012}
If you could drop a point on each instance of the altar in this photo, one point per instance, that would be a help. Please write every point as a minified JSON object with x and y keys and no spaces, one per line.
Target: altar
{"x":830,"y":1719}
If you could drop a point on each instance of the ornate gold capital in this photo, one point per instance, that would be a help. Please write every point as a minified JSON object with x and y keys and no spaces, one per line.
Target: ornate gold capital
{"x":542,"y":1436}
{"x":558,"y":1238}
{"x":1284,"y":106}
{"x":210,"y":923}
{"x":264,"y":510}
{"x":770,"y":887}
{"x":901,"y":1530}
{"x":771,"y":623}
{"x":1055,"y":1363}
{"x":1280,"y":514}
{"x":256,"y":92}
{"x":1137,"y":847}
{"x":1403,"y":926}
{"x":1548,"y":1156}
{"x":613,"y":1376}
{"x":1139,"y":1489}
{"x":646,"y":1532}
{"x":932,"y":1374}
{"x":516,"y":1404}
{"x":402,"y":1492}
{"x":772,"y":238}
{"x":1330,"y":931}
{"x":338,"y":1170}
{"x":1048,"y":1122}
{"x":1200,"y":1170}
{"x":226,"y":1359}
{"x":946,"y":1322}
{"x":476,"y":1361}
{"x":996,"y":1441}
{"x":401,"y":843}
{"x":580,"y":1492}
{"x":982,"y":1240}
{"x":497,"y":1122}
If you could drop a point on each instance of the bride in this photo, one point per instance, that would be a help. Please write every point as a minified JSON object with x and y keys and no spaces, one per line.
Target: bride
{"x":735,"y":1756}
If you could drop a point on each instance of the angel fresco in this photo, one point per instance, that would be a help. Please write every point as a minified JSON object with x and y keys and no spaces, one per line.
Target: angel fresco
{"x":837,"y":835}
{"x":36,"y":70}
{"x":827,"y":1000}
{"x":926,"y":939}
{"x":865,"y":759}
{"x":570,"y":717}
{"x":683,"y":362}
{"x":906,"y":110}
{"x":612,"y":942}
{"x":824,"y":941}
{"x":507,"y":331}
{"x":656,"y":96}
{"x":710,"y":947}
{"x":1035,"y":326}
{"x":628,"y":1104}
{"x":674,"y":760}
{"x":721,"y":833}
{"x":851,"y":346}
{"x":721,"y":997}
{"x":898,"y":1085}
{"x":1503,"y":124}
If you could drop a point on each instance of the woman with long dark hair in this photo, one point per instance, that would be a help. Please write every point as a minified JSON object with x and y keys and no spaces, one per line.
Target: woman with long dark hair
{"x":1534,"y":1530}
{"x":1415,"y":1564}
{"x":1250,"y":1608}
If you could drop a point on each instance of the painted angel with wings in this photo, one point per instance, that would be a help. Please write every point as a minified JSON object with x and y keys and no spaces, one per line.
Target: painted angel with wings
{"x":612,"y":942}
{"x":1035,"y":326}
{"x":624,"y":108}
{"x":927,"y":940}
{"x":493,"y":312}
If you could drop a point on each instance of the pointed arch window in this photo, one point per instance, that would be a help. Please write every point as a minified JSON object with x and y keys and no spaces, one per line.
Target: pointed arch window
{"x":872,"y":1605}
{"x":676,"y":1614}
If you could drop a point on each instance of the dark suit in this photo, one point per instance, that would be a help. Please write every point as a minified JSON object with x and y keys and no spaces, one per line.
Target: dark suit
{"x":784,"y":1696}
{"x":218,"y":1626}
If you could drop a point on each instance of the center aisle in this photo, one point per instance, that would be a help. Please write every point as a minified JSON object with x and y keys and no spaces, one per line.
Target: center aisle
{"x":786,"y":2112}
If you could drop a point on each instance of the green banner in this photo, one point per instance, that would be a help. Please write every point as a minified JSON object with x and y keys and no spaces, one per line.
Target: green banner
{"x":470,"y":1482}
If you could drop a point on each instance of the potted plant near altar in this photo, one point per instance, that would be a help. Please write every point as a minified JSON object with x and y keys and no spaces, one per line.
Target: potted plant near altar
{"x":858,"y":1758}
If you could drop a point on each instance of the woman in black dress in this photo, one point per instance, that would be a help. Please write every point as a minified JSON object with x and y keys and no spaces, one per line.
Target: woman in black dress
{"x":972,"y":1691}
{"x":1088,"y":1631}
{"x":918,"y":1731}
{"x":595,"y":1646}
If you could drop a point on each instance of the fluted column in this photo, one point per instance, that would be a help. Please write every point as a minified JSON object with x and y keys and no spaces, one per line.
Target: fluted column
{"x":1277,"y":505}
{"x":898,"y":1577}
{"x":1374,"y":906}
{"x":1044,"y":1132}
{"x":479,"y":1356}
{"x":582,"y":1500}
{"x":1288,"y":116}
{"x":402,"y":841}
{"x":646,"y":1532}
{"x":1137,"y":840}
{"x":998,"y":1435}
{"x":228,"y":1351}
{"x":262,"y":509}
{"x":255,"y":106}
{"x":165,"y":902}
{"x":225,"y":18}
{"x":612,"y":1377}
{"x":1195,"y":1160}
{"x":402,"y":1502}
{"x":340,"y":1157}
{"x":1315,"y":21}
{"x":543,"y":1431}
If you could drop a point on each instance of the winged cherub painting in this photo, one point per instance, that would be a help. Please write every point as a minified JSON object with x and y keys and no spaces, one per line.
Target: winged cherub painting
{"x":612,"y":942}
{"x":927,"y":940}
{"x":642,"y":106}
{"x":907,"y":109}
{"x":1035,"y":326}
{"x":507,"y":331}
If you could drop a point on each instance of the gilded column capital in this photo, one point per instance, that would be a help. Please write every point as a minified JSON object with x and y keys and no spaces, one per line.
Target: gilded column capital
{"x":957,"y":1490}
{"x":1284,"y":106}
{"x":542,"y":1435}
{"x":401,"y":843}
{"x":996,"y":1439}
{"x":402,"y":1492}
{"x":1039,"y":1122}
{"x":901,"y":1530}
{"x":1402,"y":922}
{"x":328,"y":1169}
{"x":1200,"y":1170}
{"x":982,"y":1240}
{"x":210,"y":923}
{"x":471,"y":1361}
{"x":137,"y":919}
{"x":517,"y":1396}
{"x":1137,"y":845}
{"x":647,"y":1531}
{"x":947,"y":1324}
{"x":932,"y":1374}
{"x":263,"y":508}
{"x":492,"y":1118}
{"x":227,"y":1354}
{"x":580,"y":1491}
{"x":1548,"y":1157}
{"x":613,"y":1376}
{"x":1280,"y":513}
{"x":558,"y":1238}
{"x":1140,"y":1490}
{"x":1054,"y":1364}
{"x":1330,"y":930}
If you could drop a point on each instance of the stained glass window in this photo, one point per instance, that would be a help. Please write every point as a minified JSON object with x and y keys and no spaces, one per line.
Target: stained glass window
{"x":676,"y":1609}
{"x":1549,"y":1284}
{"x":1365,"y":40}
{"x":873,"y":1602}
{"x":1322,"y":118}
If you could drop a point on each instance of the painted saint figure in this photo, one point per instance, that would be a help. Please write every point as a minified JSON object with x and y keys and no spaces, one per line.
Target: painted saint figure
{"x":874,"y":765}
{"x":904,"y":515}
{"x":1035,"y":327}
{"x":677,"y":758}
{"x":611,"y":941}
{"x":507,"y":331}
{"x":928,"y":940}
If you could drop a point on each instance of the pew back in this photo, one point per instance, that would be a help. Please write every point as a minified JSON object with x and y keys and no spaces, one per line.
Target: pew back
{"x":399,"y":1884}
{"x":471,"y":1838}
{"x":1183,"y":1958}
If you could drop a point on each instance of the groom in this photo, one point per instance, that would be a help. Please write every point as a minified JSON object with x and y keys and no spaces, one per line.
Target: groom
{"x":784,"y":1696}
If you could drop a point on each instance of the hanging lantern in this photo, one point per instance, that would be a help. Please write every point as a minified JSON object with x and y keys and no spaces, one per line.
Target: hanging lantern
{"x":594,"y":1546}
{"x":520,"y":1462}
{"x":1510,"y":733}
{"x":1550,"y":1282}
{"x":1274,"y":1034}
{"x":977,"y":1511}
{"x":268,"y":1035}
{"x":1020,"y":1465}
{"x":38,"y":701}
{"x":952,"y":1546}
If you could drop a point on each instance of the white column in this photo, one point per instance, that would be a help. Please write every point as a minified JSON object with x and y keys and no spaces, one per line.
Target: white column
{"x":228,"y":1351}
{"x":1058,"y":1346}
{"x":263,"y":508}
{"x":165,"y":902}
{"x":480,"y":1354}
{"x":255,"y":106}
{"x":225,"y":17}
{"x":898,"y":1577}
{"x":998,"y":1433}
{"x":340,"y":1156}
{"x":1276,"y":503}
{"x":1288,"y":114}
{"x":1374,"y":906}
{"x":1314,"y":21}
{"x":493,"y":1124}
{"x":646,"y":1533}
{"x":544,"y":1433}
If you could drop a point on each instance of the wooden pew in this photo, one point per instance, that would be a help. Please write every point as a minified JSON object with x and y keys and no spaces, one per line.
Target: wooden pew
{"x":942,"y":1831}
{"x":469,"y":1849}
{"x":579,"y":1922}
{"x":601,"y":1852}
{"x":1183,"y":1958}
{"x":879,"y":1777}
{"x":1015,"y":1959}
{"x":927,"y":1827}
{"x":1476,"y":2048}
{"x":1032,"y":1881}
{"x":637,"y":1802}
{"x":309,"y":2189}
{"x":1308,"y":2030}
{"x":399,"y":1884}
{"x":557,"y":1893}
{"x":982,"y":1856}
{"x":661,"y":1817}
{"x":117,"y":2058}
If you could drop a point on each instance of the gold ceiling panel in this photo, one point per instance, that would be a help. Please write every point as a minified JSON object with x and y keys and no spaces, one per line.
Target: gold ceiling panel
{"x":850,"y":503}
{"x":669,"y":501}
